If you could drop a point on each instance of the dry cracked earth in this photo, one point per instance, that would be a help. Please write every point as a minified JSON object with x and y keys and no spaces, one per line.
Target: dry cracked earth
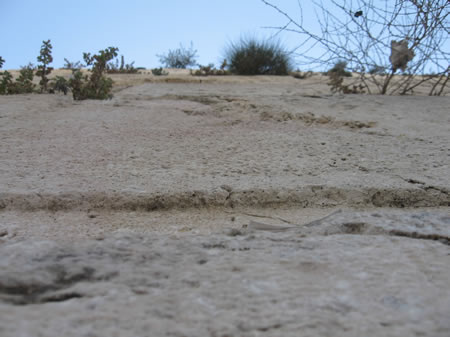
{"x":225,"y":207}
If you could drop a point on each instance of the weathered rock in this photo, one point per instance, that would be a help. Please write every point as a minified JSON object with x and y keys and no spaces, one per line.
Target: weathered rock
{"x":353,"y":274}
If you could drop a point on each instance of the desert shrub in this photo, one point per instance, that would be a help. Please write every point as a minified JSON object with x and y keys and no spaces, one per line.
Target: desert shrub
{"x":159,"y":72}
{"x":72,"y":65}
{"x":113,"y":67}
{"x":95,"y":85}
{"x":340,"y":69}
{"x":336,"y":84}
{"x":59,"y":84}
{"x":45,"y":58}
{"x":250,"y":56}
{"x":23,"y":84}
{"x":4,"y":78}
{"x":6,"y":82}
{"x":208,"y":70}
{"x":180,"y":58}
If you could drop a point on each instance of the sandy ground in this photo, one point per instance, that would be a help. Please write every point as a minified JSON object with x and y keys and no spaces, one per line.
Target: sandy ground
{"x":255,"y":142}
{"x":191,"y":158}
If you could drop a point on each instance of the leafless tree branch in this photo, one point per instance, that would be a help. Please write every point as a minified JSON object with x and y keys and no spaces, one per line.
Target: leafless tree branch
{"x":361,"y":32}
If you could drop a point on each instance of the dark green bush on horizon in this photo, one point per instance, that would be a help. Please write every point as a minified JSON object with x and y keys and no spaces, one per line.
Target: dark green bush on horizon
{"x":5,"y":78}
{"x":250,"y":56}
{"x":22,"y":85}
{"x":95,"y":85}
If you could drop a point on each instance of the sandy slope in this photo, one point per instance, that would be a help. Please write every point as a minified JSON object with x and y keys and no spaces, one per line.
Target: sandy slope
{"x":185,"y":159}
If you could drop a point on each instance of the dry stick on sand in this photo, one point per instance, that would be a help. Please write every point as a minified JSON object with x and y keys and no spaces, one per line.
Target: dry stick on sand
{"x":261,"y":226}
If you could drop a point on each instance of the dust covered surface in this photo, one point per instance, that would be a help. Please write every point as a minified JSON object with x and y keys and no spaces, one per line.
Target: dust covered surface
{"x":351,"y":275}
{"x":159,"y":146}
{"x":208,"y":207}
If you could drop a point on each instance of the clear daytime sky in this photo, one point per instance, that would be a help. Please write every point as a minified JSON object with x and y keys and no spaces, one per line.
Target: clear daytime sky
{"x":139,"y":28}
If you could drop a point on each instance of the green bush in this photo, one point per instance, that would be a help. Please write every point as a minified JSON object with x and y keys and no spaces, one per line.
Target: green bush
{"x":159,"y":72}
{"x":95,"y":85}
{"x":23,"y":84}
{"x":59,"y":84}
{"x":180,"y":58}
{"x":45,"y":58}
{"x":5,"y":76}
{"x":6,"y":79}
{"x":25,"y":81}
{"x":6,"y":83}
{"x":340,"y":69}
{"x":250,"y":56}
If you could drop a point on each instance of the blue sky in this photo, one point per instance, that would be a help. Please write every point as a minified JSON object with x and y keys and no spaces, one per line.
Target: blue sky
{"x":140,"y":29}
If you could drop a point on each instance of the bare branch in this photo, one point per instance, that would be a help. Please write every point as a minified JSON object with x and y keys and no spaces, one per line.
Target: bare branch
{"x":361,"y":32}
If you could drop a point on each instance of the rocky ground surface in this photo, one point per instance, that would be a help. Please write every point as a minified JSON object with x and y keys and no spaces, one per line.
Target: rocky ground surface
{"x":353,"y":274}
{"x":234,"y":207}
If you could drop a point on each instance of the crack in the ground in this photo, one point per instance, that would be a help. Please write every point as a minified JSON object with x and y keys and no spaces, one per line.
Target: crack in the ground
{"x":425,"y":186}
{"x":33,"y":292}
{"x":414,"y":235}
{"x":307,"y":196}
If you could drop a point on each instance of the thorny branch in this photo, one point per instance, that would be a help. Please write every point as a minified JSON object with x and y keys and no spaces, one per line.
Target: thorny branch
{"x":360,"y":32}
